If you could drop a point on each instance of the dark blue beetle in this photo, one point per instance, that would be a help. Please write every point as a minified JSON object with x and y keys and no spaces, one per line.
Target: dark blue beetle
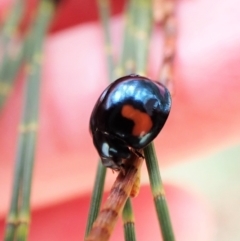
{"x":128,"y":115}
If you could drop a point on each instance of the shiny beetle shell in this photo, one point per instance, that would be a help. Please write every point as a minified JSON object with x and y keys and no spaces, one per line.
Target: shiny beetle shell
{"x":128,"y":115}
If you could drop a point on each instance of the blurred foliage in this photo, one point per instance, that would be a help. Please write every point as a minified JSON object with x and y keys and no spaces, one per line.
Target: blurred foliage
{"x":217,"y":178}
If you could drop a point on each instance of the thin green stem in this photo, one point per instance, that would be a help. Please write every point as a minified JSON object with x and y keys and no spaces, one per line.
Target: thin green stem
{"x":96,"y":197}
{"x":127,"y":64}
{"x":19,"y":214}
{"x":12,"y":219}
{"x":8,"y":72}
{"x":138,"y":25}
{"x":11,"y":51}
{"x":11,"y":24}
{"x":158,"y":193}
{"x":29,"y":128}
{"x":142,"y":13}
{"x":137,"y":33}
{"x":30,"y":120}
{"x":128,"y":220}
{"x":104,"y":11}
{"x":141,"y":33}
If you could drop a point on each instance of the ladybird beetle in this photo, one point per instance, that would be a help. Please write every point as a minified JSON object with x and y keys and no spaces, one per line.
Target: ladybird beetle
{"x":128,"y":115}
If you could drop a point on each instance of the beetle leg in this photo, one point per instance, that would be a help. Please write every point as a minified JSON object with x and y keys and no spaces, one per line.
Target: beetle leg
{"x":138,"y":153}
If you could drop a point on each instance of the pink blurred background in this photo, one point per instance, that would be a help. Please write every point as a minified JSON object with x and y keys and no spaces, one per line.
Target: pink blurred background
{"x":198,"y":149}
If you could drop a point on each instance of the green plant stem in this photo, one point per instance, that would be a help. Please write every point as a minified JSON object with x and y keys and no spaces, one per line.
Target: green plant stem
{"x":158,"y":193}
{"x":12,"y":219}
{"x":11,"y":24}
{"x":134,"y":59}
{"x":19,"y":214}
{"x":127,"y":64}
{"x":96,"y":197}
{"x":141,"y":33}
{"x":128,"y":220}
{"x":28,"y":128}
{"x":11,"y":51}
{"x":104,"y":11}
{"x":8,"y":72}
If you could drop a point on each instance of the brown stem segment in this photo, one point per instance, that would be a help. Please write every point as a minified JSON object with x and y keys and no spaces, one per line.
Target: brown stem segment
{"x":136,"y":186}
{"x":107,"y":218}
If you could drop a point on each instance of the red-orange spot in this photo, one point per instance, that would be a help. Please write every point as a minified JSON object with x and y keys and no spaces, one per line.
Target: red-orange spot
{"x":142,"y":122}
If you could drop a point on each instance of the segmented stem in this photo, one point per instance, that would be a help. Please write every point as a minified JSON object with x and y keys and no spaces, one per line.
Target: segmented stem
{"x":107,"y":218}
{"x":128,"y":221}
{"x":164,"y":13}
{"x":11,"y":51}
{"x":126,"y":64}
{"x":158,"y":193}
{"x":141,"y":33}
{"x":10,"y":26}
{"x":18,"y":219}
{"x":104,"y":11}
{"x":96,"y":197}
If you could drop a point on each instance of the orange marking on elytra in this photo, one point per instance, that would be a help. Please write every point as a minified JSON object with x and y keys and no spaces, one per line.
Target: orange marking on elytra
{"x":142,"y":121}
